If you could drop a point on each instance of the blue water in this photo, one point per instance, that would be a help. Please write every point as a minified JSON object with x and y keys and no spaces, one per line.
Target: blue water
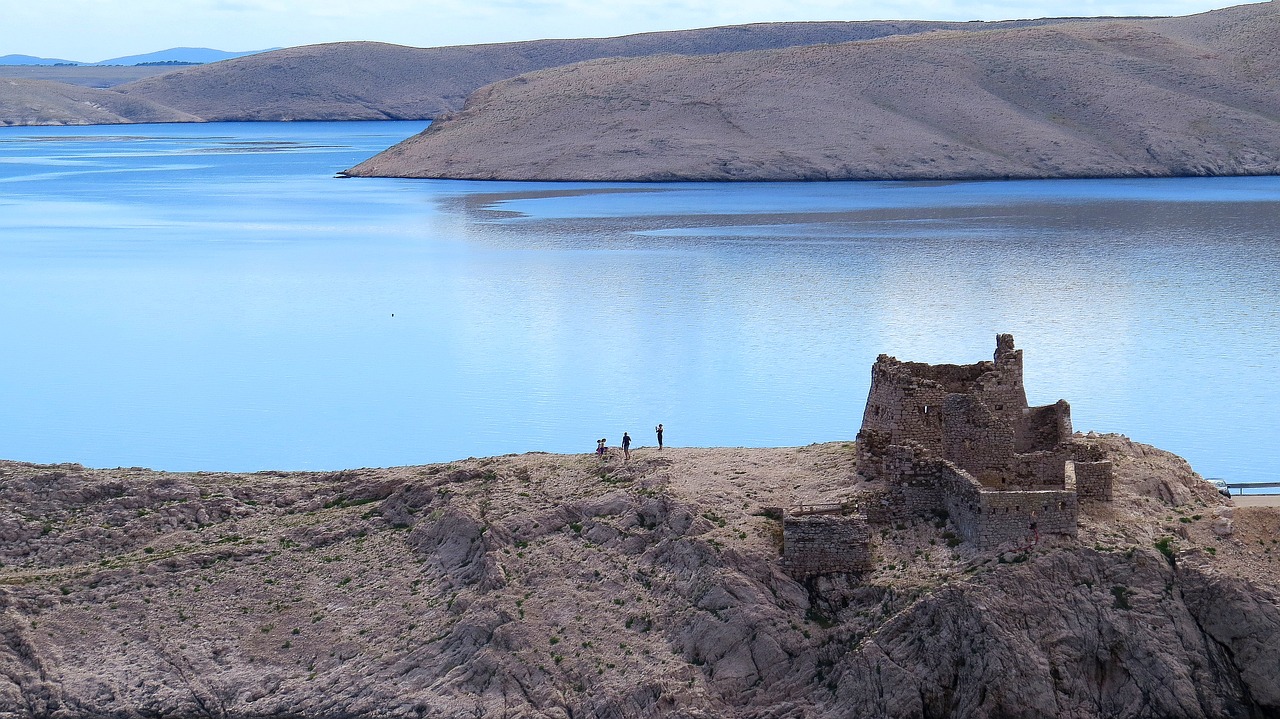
{"x":212,"y":297}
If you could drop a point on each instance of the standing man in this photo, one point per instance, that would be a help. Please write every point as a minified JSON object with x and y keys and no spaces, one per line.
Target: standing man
{"x":658,"y":429}
{"x":626,"y":446}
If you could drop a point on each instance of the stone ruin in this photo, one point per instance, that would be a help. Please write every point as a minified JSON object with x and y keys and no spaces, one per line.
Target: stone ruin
{"x":956,"y":442}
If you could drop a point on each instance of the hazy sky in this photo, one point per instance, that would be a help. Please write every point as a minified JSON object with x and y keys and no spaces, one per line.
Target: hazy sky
{"x":93,"y":30}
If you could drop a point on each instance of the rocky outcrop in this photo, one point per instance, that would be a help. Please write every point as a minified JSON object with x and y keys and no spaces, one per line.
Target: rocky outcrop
{"x":1121,"y":98}
{"x":554,"y":586}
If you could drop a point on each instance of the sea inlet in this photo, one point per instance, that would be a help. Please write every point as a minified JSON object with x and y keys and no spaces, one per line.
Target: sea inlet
{"x":213,"y":297}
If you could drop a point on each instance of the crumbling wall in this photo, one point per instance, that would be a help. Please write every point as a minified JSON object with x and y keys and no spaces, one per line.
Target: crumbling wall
{"x":1018,"y":516}
{"x":819,"y":544}
{"x":1093,"y":480}
{"x":1039,"y":470}
{"x":976,"y":440}
{"x":954,"y":378}
{"x":904,"y":407}
{"x":918,"y":485}
{"x":1002,"y":389}
{"x":1042,"y":428}
{"x":961,"y":440}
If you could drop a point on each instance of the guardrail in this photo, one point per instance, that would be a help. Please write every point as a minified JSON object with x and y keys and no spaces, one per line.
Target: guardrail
{"x":1253,"y":485}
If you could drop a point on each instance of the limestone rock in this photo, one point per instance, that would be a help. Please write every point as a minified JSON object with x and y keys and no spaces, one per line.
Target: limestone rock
{"x":547,"y":586}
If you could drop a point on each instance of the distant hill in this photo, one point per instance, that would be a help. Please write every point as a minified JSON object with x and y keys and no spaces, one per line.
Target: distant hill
{"x":376,"y":81}
{"x":194,"y":55}
{"x":99,"y":76}
{"x":40,"y":102}
{"x":1125,"y":97}
{"x":30,"y":60}
{"x":187,"y":55}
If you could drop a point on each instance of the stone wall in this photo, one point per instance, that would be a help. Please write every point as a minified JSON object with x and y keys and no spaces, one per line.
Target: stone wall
{"x":820,"y":544}
{"x":976,"y":440}
{"x":1018,"y":516}
{"x":1039,"y":470}
{"x":1001,"y":389}
{"x":904,"y":407}
{"x":1041,"y":428}
{"x":922,"y":486}
{"x":1093,"y":480}
{"x":960,"y":440}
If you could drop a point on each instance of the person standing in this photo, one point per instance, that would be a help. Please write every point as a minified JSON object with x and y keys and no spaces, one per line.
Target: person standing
{"x":600,"y":449}
{"x":626,"y":446}
{"x":658,"y":429}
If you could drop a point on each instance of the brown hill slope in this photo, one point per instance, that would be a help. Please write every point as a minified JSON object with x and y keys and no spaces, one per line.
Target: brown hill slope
{"x":551,"y":586}
{"x":99,"y":76}
{"x":1150,"y":97}
{"x":43,"y":102}
{"x":376,"y":81}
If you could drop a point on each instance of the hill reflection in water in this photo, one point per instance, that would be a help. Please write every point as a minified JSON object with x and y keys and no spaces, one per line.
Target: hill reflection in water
{"x":211,"y":297}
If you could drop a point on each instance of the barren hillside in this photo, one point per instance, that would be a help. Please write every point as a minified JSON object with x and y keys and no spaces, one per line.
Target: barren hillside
{"x":43,"y":102}
{"x":375,"y":81}
{"x":1130,"y":97}
{"x":551,"y":586}
{"x":99,"y":76}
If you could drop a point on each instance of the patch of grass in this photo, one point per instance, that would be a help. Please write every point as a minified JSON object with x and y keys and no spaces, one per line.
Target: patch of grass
{"x":1165,"y":547}
{"x":1121,"y":594}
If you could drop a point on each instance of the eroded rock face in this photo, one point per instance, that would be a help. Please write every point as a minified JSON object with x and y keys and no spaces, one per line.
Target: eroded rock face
{"x":548,"y":586}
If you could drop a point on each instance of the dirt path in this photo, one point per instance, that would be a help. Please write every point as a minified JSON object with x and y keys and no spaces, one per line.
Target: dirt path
{"x":1256,"y":500}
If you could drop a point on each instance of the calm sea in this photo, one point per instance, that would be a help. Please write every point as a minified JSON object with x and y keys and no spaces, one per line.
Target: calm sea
{"x":213,"y":297}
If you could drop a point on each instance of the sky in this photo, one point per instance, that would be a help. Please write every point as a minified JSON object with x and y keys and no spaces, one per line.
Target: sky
{"x":95,"y":30}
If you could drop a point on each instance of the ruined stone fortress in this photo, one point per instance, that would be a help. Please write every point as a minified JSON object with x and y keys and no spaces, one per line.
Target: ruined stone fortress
{"x":960,"y":443}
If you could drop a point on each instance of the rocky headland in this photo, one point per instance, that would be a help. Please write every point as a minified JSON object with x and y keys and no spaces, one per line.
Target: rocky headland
{"x":553,"y":586}
{"x":1134,"y":97}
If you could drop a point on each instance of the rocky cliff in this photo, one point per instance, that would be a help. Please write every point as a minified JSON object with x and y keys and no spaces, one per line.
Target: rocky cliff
{"x":1125,"y":97}
{"x":553,"y":586}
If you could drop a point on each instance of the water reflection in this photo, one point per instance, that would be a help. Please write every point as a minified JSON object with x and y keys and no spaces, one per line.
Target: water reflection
{"x":255,"y":312}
